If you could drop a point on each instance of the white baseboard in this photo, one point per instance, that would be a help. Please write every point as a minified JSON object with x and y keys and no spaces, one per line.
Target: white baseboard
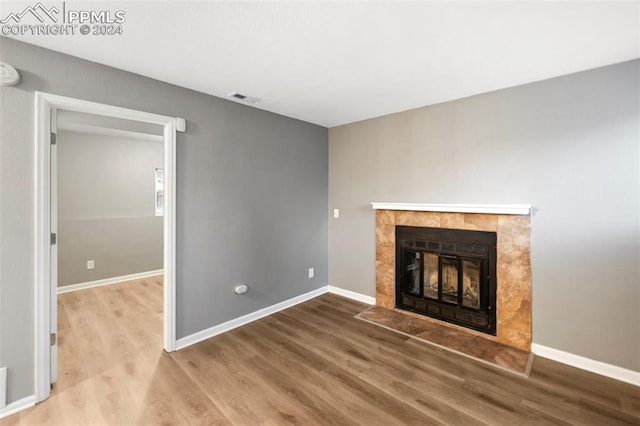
{"x":598,"y":367}
{"x":19,"y":405}
{"x":107,"y":281}
{"x":3,"y":387}
{"x":352,"y":295}
{"x":246,"y":319}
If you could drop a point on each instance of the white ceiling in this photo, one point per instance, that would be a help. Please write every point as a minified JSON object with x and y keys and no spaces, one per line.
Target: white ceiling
{"x":333,"y":63}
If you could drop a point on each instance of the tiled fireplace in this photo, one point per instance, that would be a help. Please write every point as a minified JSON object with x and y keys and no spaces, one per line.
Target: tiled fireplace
{"x":511,"y":225}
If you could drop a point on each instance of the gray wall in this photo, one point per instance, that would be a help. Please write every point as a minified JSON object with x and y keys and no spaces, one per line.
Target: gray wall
{"x":569,"y":146}
{"x":106,"y":206}
{"x":251,"y":198}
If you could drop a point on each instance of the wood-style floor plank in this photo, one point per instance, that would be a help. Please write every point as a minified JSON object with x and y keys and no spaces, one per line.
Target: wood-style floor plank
{"x":319,"y":385}
{"x":373,"y":367}
{"x":313,"y":364}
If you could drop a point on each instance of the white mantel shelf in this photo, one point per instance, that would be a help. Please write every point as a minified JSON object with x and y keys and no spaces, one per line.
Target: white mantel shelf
{"x":517,"y":209}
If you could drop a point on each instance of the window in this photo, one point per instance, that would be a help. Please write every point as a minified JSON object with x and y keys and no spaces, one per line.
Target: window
{"x":159,"y":192}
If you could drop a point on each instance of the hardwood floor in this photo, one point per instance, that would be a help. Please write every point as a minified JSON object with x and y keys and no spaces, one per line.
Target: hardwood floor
{"x":313,"y":364}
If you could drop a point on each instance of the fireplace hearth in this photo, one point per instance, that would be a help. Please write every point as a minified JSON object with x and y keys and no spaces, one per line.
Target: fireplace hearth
{"x":447,"y":274}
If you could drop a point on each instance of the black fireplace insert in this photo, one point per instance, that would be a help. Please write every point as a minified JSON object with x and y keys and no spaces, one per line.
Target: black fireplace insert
{"x":448,"y":274}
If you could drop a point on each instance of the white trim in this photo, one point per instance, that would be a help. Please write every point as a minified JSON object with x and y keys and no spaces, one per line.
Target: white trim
{"x":519,"y":209}
{"x":19,"y":405}
{"x":42,"y":260}
{"x":246,"y":319}
{"x":169,"y":234}
{"x":598,"y":367}
{"x":53,"y":251}
{"x":369,"y":300}
{"x":3,"y":387}
{"x":107,"y":281}
{"x":46,"y":106}
{"x":107,"y":131}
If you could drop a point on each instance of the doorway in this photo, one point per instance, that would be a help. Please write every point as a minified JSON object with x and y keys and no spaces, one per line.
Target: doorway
{"x":47,"y":108}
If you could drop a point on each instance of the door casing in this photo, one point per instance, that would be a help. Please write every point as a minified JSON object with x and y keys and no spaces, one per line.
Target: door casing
{"x":46,"y":107}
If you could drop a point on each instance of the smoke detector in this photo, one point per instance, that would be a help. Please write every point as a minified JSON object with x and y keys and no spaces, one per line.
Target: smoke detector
{"x":244,"y":98}
{"x":8,"y":75}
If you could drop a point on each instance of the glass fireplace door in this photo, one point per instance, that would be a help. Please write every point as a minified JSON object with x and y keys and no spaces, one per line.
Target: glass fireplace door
{"x":447,"y":274}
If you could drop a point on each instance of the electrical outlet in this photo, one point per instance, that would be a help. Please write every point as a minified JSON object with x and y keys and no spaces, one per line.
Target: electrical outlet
{"x":90,"y":264}
{"x":336,"y":213}
{"x":311,"y":273}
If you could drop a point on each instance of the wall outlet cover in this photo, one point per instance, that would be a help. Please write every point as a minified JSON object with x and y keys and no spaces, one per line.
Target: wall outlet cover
{"x":240,"y":289}
{"x":90,"y":264}
{"x":311,"y":273}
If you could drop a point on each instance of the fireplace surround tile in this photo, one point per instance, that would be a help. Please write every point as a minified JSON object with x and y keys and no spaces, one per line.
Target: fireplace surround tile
{"x":513,"y":266}
{"x":481,"y":222}
{"x":408,"y":218}
{"x":452,"y":221}
{"x":385,"y":217}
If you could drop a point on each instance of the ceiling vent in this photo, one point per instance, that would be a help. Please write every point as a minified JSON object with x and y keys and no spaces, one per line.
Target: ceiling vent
{"x":244,"y":98}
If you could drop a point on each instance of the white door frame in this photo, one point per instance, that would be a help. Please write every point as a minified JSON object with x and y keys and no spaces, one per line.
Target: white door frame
{"x":46,"y":107}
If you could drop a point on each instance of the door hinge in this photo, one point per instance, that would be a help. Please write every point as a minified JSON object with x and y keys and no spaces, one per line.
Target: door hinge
{"x":53,"y":338}
{"x":54,"y":238}
{"x":54,"y":138}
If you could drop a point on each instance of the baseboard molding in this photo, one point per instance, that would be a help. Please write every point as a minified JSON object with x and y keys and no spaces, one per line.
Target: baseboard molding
{"x":107,"y":281}
{"x":352,"y":295}
{"x":19,"y":405}
{"x":246,"y":319}
{"x":3,"y":387}
{"x":598,"y":367}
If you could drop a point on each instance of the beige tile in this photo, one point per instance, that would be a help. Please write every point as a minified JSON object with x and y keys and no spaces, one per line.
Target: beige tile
{"x":385,"y":281}
{"x":452,"y":220}
{"x":385,"y":217}
{"x":514,"y":232}
{"x":422,"y":219}
{"x":481,"y":222}
{"x":453,"y":339}
{"x":385,"y":301}
{"x":386,"y":234}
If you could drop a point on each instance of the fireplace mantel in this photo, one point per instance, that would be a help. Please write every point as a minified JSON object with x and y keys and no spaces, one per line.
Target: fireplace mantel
{"x":516,"y":209}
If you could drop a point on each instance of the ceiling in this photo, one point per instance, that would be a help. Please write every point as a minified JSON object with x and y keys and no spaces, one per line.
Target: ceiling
{"x":333,"y":63}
